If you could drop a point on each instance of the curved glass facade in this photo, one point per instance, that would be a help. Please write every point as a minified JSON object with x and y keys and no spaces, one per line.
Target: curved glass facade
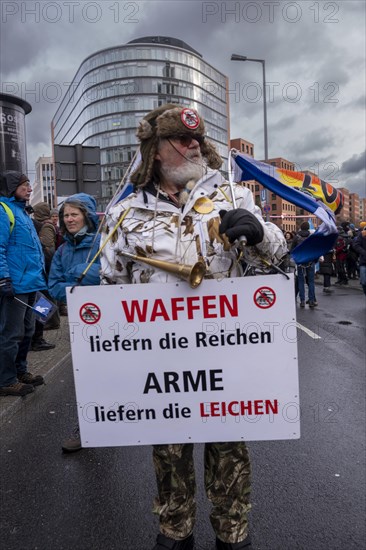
{"x":114,"y":88}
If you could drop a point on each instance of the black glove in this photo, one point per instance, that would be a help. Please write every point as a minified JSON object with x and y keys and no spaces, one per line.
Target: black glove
{"x":240,"y":222}
{"x":6,"y":288}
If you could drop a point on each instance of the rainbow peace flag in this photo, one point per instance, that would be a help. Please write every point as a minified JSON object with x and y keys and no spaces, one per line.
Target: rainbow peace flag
{"x":303,"y":190}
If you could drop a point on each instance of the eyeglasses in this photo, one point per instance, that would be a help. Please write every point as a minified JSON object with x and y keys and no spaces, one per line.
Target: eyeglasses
{"x":186,"y":139}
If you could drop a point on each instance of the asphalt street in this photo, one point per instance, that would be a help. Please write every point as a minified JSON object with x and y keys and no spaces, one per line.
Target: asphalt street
{"x":307,"y":494}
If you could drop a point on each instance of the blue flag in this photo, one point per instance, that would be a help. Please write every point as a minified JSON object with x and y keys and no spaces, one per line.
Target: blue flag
{"x":272,"y":178}
{"x":43,"y":308}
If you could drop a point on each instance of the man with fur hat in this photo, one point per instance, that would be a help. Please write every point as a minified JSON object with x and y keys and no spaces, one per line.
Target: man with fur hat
{"x":21,"y":275}
{"x":181,"y":212}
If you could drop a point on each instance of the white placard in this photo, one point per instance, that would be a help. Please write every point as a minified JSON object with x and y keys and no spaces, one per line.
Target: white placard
{"x":164,"y":363}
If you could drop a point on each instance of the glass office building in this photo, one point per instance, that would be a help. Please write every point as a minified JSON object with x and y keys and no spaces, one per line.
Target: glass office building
{"x":114,"y":88}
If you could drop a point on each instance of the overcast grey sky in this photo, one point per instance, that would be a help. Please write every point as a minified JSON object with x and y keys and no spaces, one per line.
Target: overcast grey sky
{"x":314,"y":53}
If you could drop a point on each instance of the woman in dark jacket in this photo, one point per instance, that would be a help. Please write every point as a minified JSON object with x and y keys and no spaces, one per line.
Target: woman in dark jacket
{"x":289,"y":236}
{"x":79,"y":224}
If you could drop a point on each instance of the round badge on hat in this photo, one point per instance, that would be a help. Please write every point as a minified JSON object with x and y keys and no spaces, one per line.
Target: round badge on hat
{"x":190,"y":119}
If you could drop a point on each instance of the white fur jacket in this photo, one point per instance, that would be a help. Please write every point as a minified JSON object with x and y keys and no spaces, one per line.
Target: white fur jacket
{"x":160,"y":230}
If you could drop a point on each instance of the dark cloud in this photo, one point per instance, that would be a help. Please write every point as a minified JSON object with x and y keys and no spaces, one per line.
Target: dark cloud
{"x":358,"y":103}
{"x":306,"y":45}
{"x":332,"y":72}
{"x":355,"y":184}
{"x":313,"y":142}
{"x":355,"y":164}
{"x":284,"y":123}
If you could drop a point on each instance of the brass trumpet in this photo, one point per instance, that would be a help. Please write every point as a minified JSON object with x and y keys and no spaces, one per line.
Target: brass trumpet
{"x":193,"y":274}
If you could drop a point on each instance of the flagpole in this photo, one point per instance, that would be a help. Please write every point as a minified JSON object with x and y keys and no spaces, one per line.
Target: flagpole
{"x":236,"y":57}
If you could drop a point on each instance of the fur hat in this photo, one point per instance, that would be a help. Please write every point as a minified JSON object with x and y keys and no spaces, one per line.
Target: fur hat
{"x":165,"y":121}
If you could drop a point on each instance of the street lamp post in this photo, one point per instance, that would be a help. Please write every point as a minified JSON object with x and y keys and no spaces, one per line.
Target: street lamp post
{"x":236,"y":57}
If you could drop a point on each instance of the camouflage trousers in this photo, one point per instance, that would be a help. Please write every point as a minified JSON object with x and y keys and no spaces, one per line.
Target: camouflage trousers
{"x":227,"y":484}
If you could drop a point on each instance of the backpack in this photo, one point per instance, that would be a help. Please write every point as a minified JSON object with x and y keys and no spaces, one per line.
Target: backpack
{"x":10,"y":215}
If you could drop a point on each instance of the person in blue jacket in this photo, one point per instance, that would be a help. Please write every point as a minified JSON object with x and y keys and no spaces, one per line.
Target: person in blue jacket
{"x":78,"y":224}
{"x":21,"y":276}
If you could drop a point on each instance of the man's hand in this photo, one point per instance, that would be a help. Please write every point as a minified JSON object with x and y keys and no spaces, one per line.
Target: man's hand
{"x":240,"y":222}
{"x":6,"y":288}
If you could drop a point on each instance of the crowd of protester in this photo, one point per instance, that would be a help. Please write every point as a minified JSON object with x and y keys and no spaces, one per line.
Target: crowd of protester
{"x":345,"y":262}
{"x":43,"y":253}
{"x":67,"y":240}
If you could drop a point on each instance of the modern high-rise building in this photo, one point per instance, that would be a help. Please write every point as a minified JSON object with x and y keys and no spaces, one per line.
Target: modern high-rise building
{"x":114,"y":88}
{"x":44,"y":184}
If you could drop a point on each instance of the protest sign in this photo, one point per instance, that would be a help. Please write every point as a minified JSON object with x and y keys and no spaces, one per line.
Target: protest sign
{"x":165,"y":363}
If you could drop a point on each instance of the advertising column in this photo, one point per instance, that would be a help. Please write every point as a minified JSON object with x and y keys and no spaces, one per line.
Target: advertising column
{"x":12,"y":133}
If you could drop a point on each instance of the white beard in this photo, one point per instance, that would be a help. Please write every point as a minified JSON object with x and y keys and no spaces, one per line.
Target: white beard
{"x":188,"y":171}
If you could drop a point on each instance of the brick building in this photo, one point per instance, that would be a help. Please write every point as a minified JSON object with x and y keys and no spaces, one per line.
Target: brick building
{"x":354,"y":208}
{"x":344,"y":214}
{"x":243,"y":146}
{"x":363,"y":210}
